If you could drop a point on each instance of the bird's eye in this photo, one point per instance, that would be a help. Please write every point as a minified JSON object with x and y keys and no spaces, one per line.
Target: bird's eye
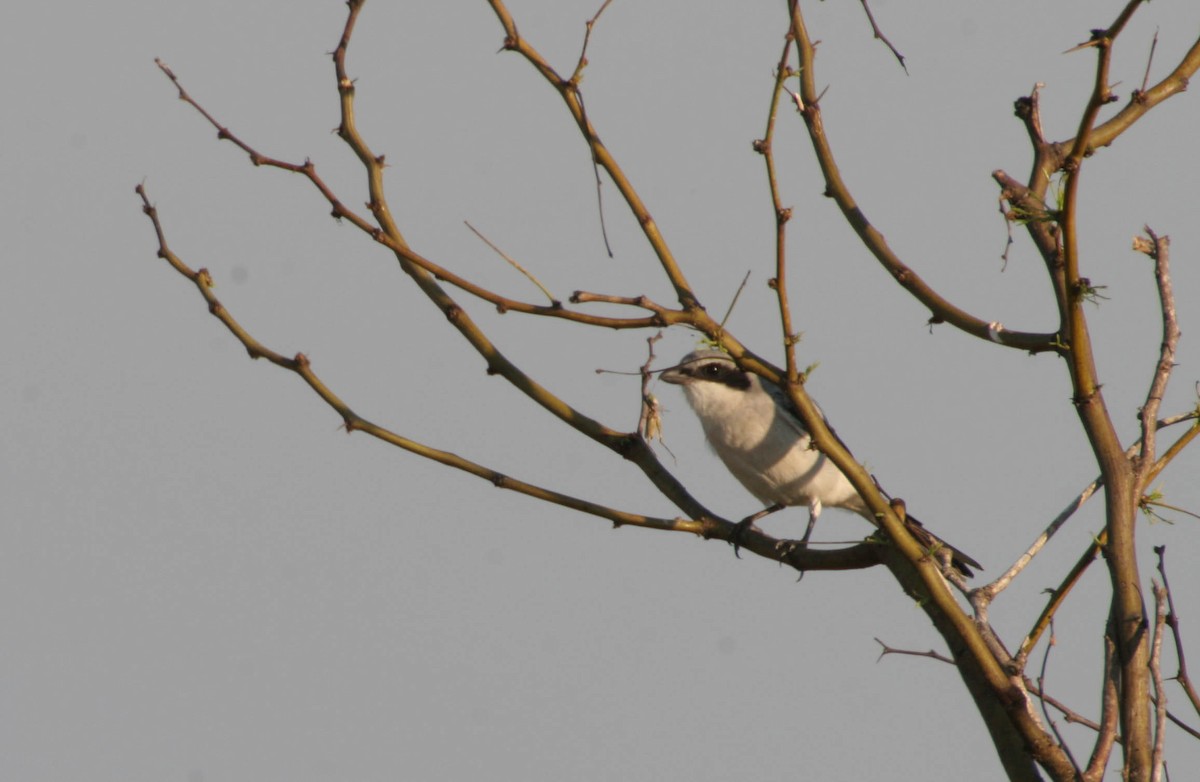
{"x":710,"y":370}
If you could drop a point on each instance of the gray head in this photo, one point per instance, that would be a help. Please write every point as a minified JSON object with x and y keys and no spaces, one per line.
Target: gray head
{"x":707,"y":366}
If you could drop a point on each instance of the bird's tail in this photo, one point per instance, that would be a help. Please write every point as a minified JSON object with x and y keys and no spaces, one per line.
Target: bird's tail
{"x":940,"y":548}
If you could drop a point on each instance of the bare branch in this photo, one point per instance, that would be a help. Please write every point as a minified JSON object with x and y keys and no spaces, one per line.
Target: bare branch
{"x":942,"y":310}
{"x":1159,"y":250}
{"x":983,"y":595}
{"x":1160,"y":695}
{"x":989,"y":591}
{"x":568,"y":90}
{"x":355,"y":423}
{"x":1149,"y":61}
{"x":650,"y":417}
{"x":703,"y":524}
{"x":1172,"y":620}
{"x":394,"y":240}
{"x":1127,"y":608}
{"x":587,"y":38}
{"x":995,"y":679}
{"x":879,"y":36}
{"x":576,"y":79}
{"x":886,"y":650}
{"x":1057,"y":597}
{"x":423,"y":274}
{"x":1176,"y":447}
{"x":511,"y":262}
{"x":1041,"y":687}
{"x":1140,"y":102}
{"x":733,"y":302}
{"x":1070,"y":715}
{"x":1110,"y":713}
{"x":782,"y":215}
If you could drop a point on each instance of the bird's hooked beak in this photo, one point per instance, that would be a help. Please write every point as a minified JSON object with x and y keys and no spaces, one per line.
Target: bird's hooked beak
{"x":677,"y":375}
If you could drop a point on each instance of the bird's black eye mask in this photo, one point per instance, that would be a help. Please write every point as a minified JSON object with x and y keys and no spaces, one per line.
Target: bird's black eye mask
{"x":722,"y":372}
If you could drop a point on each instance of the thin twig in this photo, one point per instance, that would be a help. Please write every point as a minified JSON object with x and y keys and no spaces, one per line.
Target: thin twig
{"x":782,"y":215}
{"x":300,"y":365}
{"x":1008,"y":227}
{"x":1148,"y":503}
{"x":512,"y":262}
{"x":1057,"y":597}
{"x":988,"y":592}
{"x":587,"y":38}
{"x":941,"y":309}
{"x":599,"y":185}
{"x":391,"y":237}
{"x":733,"y":302}
{"x":881,"y":37}
{"x":1159,"y":250}
{"x":1041,"y":687}
{"x":642,"y":302}
{"x":886,"y":650}
{"x":1070,"y":715}
{"x":426,"y":276}
{"x":1173,"y":622}
{"x":1149,"y":62}
{"x":1160,"y":694}
{"x":576,"y":79}
{"x":1101,"y":539}
{"x":650,"y":416}
{"x":569,"y":92}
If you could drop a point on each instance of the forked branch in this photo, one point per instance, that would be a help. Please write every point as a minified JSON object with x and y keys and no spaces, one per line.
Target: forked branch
{"x":707,"y":526}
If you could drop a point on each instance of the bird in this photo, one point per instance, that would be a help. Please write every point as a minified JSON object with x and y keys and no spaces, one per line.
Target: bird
{"x":752,"y":426}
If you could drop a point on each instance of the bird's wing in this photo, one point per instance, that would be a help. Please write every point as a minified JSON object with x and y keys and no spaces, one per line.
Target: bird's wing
{"x":787,"y":409}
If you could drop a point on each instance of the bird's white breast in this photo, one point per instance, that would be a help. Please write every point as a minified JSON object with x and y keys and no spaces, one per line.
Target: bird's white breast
{"x":766,"y":449}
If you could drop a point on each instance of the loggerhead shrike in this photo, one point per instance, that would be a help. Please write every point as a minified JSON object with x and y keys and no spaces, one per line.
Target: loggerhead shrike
{"x":750,"y":424}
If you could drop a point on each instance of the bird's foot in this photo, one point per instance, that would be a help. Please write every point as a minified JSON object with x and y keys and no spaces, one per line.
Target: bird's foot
{"x":787,"y":548}
{"x":742,"y":527}
{"x":739,"y":533}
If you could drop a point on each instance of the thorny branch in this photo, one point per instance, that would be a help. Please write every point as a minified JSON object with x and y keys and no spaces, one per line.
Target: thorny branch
{"x":862,"y":555}
{"x":576,"y":78}
{"x":982,"y":596}
{"x":1158,"y":248}
{"x":879,"y":36}
{"x":425,"y":274}
{"x":300,"y":365}
{"x":1041,"y":687}
{"x":568,"y":90}
{"x":1160,"y":694}
{"x":1110,"y":713}
{"x":393,"y":240}
{"x":1181,"y":675}
{"x":941,"y":309}
{"x":766,"y":147}
{"x":988,"y":669}
{"x":885,"y":650}
{"x":1054,"y":233}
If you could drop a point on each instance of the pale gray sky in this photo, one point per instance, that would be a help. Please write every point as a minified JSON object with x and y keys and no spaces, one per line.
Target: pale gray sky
{"x":203,"y":578}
